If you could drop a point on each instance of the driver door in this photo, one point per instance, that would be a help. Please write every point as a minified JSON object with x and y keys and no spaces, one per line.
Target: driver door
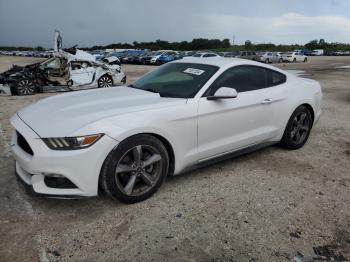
{"x":227,"y":125}
{"x":81,"y":73}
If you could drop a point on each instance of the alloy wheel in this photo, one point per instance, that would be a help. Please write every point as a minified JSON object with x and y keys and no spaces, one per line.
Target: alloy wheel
{"x":25,"y":87}
{"x":300,"y":128}
{"x":105,"y":81}
{"x":138,"y":170}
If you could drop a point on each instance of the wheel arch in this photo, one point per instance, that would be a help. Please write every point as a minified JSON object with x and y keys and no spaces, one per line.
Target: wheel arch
{"x":163,"y":140}
{"x":169,"y":149}
{"x":310,"y":108}
{"x":307,"y":105}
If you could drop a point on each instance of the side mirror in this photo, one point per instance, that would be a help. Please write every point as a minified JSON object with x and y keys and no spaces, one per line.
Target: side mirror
{"x":224,"y":93}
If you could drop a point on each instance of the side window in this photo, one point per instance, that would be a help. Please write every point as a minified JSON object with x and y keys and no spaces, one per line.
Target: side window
{"x":275,"y":78}
{"x":241,"y":78}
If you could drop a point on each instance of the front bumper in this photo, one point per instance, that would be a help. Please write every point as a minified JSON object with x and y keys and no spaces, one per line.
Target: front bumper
{"x":81,"y":167}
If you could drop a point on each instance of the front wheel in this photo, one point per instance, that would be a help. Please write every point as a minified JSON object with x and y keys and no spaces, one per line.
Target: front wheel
{"x":136,"y":169}
{"x":305,"y":59}
{"x":280,"y":60}
{"x":267,"y":61}
{"x":105,"y":81}
{"x":298,"y":129}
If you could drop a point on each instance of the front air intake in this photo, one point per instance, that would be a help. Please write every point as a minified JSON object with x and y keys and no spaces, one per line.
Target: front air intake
{"x":22,"y":143}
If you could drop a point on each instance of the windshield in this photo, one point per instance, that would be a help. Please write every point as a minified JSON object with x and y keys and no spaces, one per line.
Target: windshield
{"x":197,"y":55}
{"x":182,"y":80}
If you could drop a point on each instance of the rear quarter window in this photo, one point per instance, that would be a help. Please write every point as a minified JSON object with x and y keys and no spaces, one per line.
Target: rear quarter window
{"x":275,"y":78}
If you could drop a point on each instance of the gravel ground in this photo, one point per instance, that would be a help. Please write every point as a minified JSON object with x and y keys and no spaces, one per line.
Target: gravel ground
{"x":270,"y":205}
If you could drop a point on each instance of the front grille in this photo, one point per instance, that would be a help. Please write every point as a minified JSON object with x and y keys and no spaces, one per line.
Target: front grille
{"x":22,"y":143}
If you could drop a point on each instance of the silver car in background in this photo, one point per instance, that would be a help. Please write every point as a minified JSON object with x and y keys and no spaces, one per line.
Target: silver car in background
{"x":271,"y":57}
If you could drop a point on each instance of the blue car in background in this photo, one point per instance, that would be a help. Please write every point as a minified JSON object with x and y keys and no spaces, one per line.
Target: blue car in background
{"x":165,"y":57}
{"x":129,"y":56}
{"x":98,"y":54}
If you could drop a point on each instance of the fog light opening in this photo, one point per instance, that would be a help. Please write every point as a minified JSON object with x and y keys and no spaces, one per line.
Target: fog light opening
{"x":60,"y":182}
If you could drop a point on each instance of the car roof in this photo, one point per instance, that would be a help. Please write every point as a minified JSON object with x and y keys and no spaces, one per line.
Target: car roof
{"x":217,"y":61}
{"x":225,"y":63}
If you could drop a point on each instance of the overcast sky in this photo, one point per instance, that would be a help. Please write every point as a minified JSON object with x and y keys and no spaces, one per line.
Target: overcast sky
{"x":100,"y":22}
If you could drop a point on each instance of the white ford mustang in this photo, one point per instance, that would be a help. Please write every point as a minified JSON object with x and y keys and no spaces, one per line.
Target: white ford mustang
{"x":182,"y":115}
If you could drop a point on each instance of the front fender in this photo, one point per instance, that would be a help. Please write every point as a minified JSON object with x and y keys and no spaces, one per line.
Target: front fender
{"x":123,"y":127}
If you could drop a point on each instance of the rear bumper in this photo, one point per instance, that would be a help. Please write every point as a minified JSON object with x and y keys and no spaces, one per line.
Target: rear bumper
{"x":287,"y":59}
{"x":80,"y":167}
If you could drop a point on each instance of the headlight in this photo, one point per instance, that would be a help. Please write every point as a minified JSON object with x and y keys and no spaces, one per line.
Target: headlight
{"x":71,"y":143}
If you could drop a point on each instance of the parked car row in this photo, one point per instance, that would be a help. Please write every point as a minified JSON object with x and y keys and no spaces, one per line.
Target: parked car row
{"x":28,"y":53}
{"x":340,"y":53}
{"x":164,"y":56}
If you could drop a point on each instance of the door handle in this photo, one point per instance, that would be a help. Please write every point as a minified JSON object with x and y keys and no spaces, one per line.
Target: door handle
{"x":267,"y":101}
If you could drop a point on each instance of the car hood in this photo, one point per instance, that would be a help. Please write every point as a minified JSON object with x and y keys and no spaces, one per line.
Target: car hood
{"x":61,"y":115}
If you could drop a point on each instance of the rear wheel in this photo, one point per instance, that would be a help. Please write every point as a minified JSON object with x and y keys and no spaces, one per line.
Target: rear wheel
{"x":105,"y":81}
{"x":136,"y":169}
{"x":298,"y":129}
{"x":25,"y":87}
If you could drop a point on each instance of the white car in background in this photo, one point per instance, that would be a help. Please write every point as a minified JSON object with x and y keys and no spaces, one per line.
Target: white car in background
{"x":294,"y":57}
{"x":183,"y":115}
{"x":271,"y":57}
{"x":317,"y":52}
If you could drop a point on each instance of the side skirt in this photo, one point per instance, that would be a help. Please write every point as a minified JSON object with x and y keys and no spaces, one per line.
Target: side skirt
{"x":226,"y":156}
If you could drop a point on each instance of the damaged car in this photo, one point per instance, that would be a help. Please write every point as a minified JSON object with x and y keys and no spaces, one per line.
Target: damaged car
{"x":74,"y":72}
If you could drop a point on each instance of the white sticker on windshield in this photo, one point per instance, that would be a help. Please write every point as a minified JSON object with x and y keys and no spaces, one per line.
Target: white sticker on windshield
{"x":194,"y":71}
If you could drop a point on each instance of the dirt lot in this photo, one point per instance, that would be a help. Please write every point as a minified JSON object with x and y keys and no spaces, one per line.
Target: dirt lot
{"x":265,"y":206}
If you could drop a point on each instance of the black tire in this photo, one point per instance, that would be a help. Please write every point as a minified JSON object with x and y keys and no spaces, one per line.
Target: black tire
{"x":294,"y":60}
{"x":136,"y":180}
{"x":280,"y":60}
{"x":297,"y":130}
{"x":158,"y":62}
{"x":105,"y":81}
{"x":25,"y":87}
{"x":305,"y":59}
{"x":267,"y":61}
